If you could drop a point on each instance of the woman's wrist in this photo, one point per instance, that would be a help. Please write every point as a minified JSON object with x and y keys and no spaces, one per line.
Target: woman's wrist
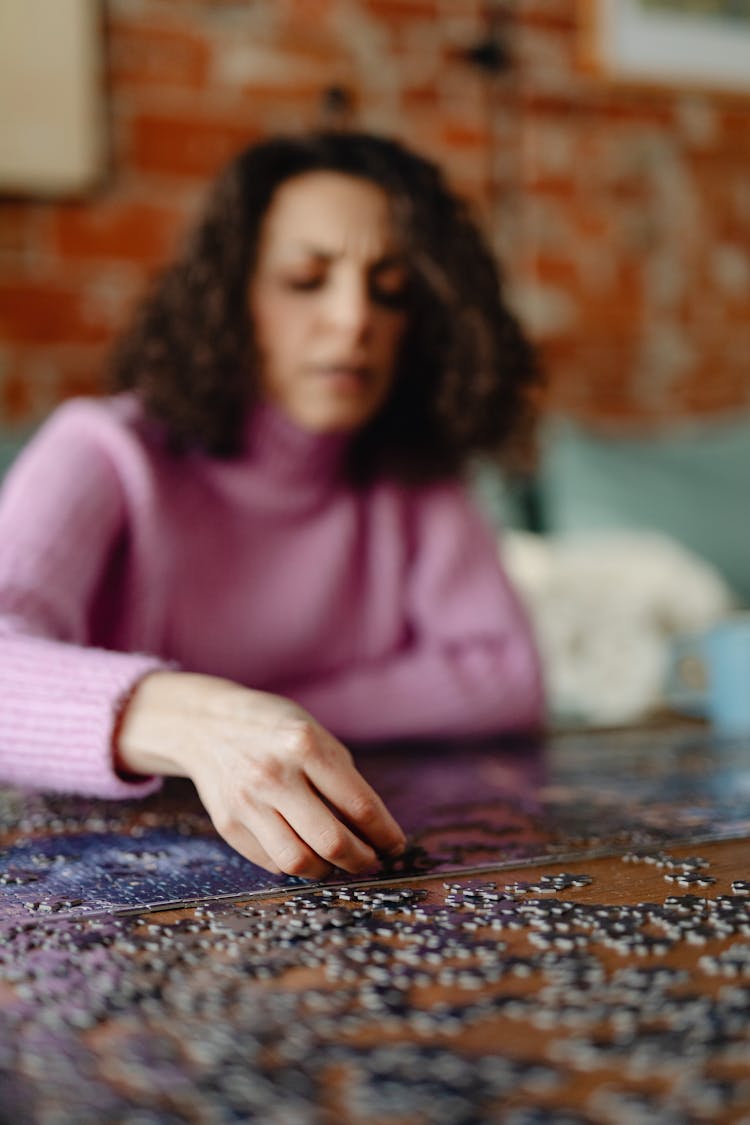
{"x":146,"y":739}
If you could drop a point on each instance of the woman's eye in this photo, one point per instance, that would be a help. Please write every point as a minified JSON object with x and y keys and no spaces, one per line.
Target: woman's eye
{"x":303,"y":284}
{"x":389,"y":286}
{"x":389,"y":295}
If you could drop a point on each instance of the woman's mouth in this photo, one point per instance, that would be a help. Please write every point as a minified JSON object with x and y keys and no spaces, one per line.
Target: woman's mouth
{"x":343,"y":376}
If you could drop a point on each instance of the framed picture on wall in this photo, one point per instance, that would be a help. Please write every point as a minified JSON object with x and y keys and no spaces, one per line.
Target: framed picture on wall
{"x":52,"y":118}
{"x":689,"y":43}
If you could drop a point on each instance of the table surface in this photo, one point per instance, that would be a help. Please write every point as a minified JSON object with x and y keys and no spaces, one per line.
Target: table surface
{"x":568,"y":941}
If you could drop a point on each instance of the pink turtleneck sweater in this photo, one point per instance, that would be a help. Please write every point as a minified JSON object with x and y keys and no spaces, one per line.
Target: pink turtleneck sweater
{"x":384,"y":612}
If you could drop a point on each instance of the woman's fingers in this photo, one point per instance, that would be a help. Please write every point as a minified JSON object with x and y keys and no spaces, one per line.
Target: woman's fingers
{"x":296,"y":834}
{"x":305,"y":750}
{"x":239,"y":837}
{"x":360,"y":806}
{"x":266,"y":838}
{"x":327,"y":836}
{"x":292,"y":854}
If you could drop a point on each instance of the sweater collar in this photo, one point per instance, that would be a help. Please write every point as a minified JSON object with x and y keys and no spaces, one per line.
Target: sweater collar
{"x":293,"y":455}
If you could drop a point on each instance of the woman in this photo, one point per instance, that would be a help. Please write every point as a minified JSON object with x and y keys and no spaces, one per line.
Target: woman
{"x":260,"y":545}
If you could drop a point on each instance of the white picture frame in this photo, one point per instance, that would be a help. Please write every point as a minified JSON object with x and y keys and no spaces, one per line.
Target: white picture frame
{"x":694,"y":44}
{"x":52,"y":116}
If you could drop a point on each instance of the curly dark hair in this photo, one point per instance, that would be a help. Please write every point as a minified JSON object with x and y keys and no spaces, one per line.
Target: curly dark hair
{"x":466,"y":370}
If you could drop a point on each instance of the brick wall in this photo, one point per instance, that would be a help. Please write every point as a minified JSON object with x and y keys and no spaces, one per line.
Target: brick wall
{"x":622,"y":215}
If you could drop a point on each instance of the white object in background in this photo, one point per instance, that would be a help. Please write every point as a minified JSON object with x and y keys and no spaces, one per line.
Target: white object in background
{"x":605,"y":607}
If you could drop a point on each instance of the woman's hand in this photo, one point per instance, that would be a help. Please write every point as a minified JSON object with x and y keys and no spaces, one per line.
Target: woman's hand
{"x":278,"y":787}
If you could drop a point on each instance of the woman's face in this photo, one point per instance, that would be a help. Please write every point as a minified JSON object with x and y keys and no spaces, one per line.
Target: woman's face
{"x":327,"y":301}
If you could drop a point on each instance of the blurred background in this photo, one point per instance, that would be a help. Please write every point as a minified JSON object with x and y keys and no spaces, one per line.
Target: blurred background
{"x":605,"y":145}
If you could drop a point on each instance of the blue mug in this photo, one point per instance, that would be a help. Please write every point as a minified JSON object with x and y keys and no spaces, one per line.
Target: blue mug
{"x":709,"y":675}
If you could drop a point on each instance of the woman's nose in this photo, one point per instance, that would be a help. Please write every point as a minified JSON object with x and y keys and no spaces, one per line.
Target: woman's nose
{"x":350,"y":306}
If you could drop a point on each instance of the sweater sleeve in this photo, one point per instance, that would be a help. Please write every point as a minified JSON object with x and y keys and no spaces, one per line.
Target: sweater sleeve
{"x":61,"y":513}
{"x":470,"y":667}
